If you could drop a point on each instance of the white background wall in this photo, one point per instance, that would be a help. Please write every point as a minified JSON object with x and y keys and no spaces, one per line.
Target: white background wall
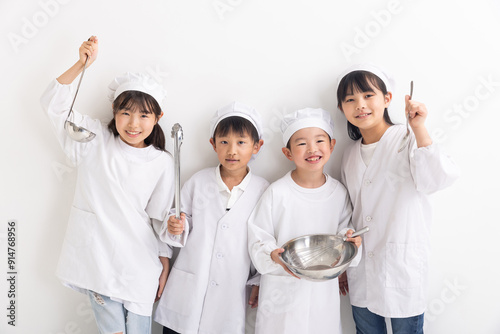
{"x":277,"y":56}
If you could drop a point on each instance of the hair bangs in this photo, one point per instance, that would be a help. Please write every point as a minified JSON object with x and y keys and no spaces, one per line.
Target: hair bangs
{"x":237,"y":125}
{"x":359,"y":81}
{"x":135,"y":100}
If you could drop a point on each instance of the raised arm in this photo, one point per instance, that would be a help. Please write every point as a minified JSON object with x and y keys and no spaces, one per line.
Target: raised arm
{"x":90,"y":49}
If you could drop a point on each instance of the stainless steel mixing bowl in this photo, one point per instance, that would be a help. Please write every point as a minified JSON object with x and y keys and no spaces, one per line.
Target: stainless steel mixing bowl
{"x":318,"y":257}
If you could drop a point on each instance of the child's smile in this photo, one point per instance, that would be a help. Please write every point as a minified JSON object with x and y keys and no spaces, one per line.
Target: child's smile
{"x":314,"y":159}
{"x":363,"y":116}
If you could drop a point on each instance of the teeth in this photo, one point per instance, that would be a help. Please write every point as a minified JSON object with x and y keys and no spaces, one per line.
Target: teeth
{"x":133,"y":133}
{"x":313,"y":159}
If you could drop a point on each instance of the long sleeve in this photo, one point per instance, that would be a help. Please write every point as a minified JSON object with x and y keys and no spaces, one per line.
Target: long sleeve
{"x":56,"y":102}
{"x":159,"y":205}
{"x":261,"y":240}
{"x":432,"y":169}
{"x":186,"y":208}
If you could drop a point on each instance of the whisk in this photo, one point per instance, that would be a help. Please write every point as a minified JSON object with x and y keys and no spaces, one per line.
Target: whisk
{"x":318,"y":254}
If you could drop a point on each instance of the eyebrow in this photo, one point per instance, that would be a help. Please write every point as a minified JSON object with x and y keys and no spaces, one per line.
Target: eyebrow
{"x":303,"y":138}
{"x":144,"y":111}
{"x":366,"y":91}
{"x":238,"y":136}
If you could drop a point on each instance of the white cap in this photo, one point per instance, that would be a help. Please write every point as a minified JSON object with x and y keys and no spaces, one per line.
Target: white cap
{"x":385,"y":76}
{"x":240,"y":110}
{"x":136,"y":81}
{"x":306,"y":118}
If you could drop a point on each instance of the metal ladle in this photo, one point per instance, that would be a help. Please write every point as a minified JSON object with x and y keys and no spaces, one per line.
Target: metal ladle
{"x":75,"y":132}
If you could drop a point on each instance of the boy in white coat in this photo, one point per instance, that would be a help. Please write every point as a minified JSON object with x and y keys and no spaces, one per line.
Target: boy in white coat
{"x":206,"y":290}
{"x":304,"y":201}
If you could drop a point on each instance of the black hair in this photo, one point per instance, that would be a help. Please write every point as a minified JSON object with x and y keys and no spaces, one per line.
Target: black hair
{"x":236,"y":124}
{"x":131,"y":99}
{"x":360,"y":81}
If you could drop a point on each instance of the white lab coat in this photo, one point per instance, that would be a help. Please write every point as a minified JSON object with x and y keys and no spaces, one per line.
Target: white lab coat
{"x":122,"y":196}
{"x":391,"y":197}
{"x":286,"y":211}
{"x":206,"y":289}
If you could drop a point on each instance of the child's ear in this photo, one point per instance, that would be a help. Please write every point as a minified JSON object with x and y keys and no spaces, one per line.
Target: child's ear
{"x":257,"y":146}
{"x":212,"y":142}
{"x":332,"y":145}
{"x":287,"y":153}
{"x":388,"y":99}
{"x":159,"y":117}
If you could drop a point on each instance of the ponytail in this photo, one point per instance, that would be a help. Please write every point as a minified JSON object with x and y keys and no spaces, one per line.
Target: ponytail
{"x":156,"y":138}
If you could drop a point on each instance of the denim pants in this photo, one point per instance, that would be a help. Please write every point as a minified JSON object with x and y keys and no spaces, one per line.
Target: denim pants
{"x":112,"y":317}
{"x":371,"y":323}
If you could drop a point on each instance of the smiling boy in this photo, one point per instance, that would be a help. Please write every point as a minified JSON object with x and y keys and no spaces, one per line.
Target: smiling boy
{"x":206,"y":289}
{"x":304,"y":201}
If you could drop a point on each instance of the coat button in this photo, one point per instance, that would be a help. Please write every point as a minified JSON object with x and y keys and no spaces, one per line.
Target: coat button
{"x":220,"y":255}
{"x":224,"y":226}
{"x":370,"y":254}
{"x":213,"y":283}
{"x":368,"y":218}
{"x":368,"y":182}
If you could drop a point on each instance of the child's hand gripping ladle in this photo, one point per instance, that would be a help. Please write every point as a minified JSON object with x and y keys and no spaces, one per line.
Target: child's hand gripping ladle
{"x":75,"y":132}
{"x":178,"y":136}
{"x":405,"y":138}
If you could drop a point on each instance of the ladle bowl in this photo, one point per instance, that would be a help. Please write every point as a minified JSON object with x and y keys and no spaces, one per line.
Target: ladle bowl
{"x":78,"y":133}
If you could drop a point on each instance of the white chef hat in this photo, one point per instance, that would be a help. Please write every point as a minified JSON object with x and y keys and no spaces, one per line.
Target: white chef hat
{"x":136,"y":81}
{"x":306,"y":118}
{"x":240,"y":110}
{"x":386,"y":77}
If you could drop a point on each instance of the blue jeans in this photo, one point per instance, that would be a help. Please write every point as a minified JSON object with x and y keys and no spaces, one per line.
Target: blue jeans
{"x":112,"y":317}
{"x":371,"y":323}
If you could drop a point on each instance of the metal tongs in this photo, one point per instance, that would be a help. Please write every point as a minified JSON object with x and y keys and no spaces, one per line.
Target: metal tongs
{"x":75,"y":132}
{"x":178,"y":136}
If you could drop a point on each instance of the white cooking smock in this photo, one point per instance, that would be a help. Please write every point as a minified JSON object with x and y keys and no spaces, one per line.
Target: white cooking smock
{"x":391,"y":197}
{"x":206,"y":289}
{"x":122,"y":196}
{"x":286,"y":211}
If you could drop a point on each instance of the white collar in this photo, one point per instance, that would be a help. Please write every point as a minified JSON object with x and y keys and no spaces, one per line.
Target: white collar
{"x":223,"y":187}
